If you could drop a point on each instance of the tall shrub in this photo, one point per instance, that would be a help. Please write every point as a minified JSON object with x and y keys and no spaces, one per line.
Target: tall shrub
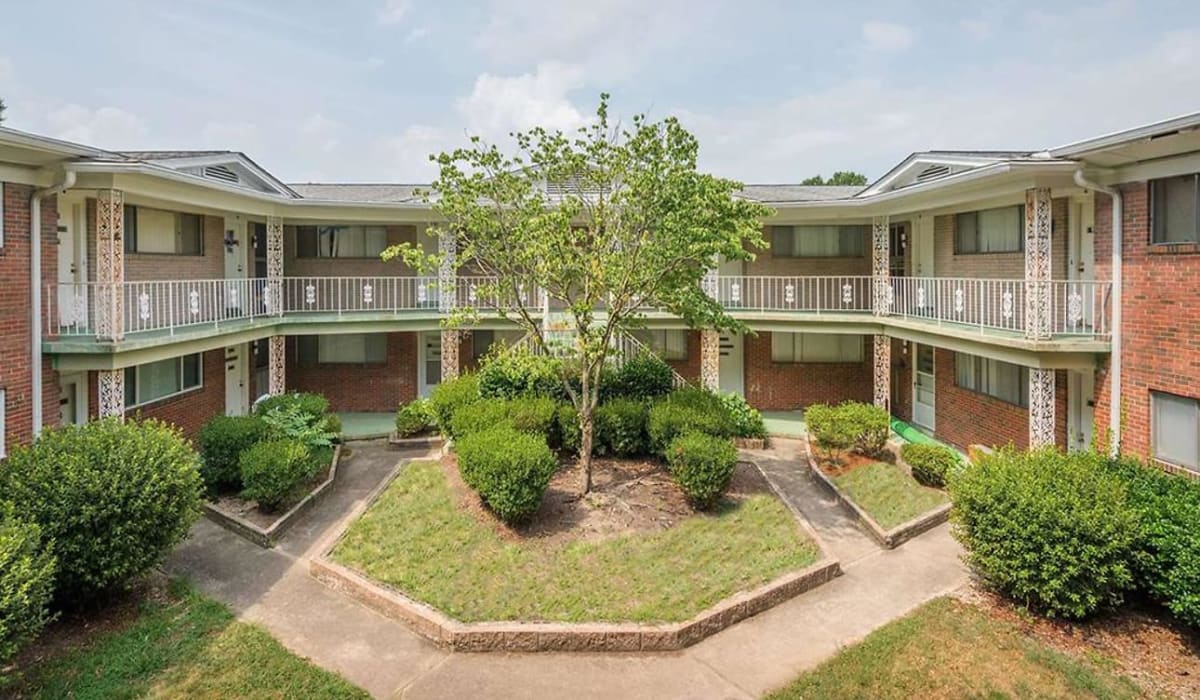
{"x":509,"y":469}
{"x":686,"y":411}
{"x":510,"y":373}
{"x":222,"y":440}
{"x":703,"y":467}
{"x":27,"y":568}
{"x":451,"y":395}
{"x":274,"y":471}
{"x":644,"y":376}
{"x":621,"y":427}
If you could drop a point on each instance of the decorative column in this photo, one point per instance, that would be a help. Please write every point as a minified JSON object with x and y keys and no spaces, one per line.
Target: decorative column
{"x":1037,"y":263}
{"x":110,"y":266}
{"x":276,"y":366}
{"x":276,"y":347}
{"x":1041,"y":407}
{"x":710,"y":359}
{"x":883,"y":372}
{"x":111,"y":393}
{"x":448,"y":301}
{"x":881,"y":267}
{"x":450,"y":342}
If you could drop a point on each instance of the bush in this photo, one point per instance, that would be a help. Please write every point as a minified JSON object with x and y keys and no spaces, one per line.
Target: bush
{"x":113,"y":496}
{"x":451,"y":395}
{"x":1052,"y":531}
{"x":645,"y":376}
{"x":221,"y":441}
{"x":27,"y":569}
{"x":415,"y":417}
{"x":291,"y":423}
{"x":747,"y":421}
{"x":528,"y":415}
{"x":273,"y":471}
{"x":570,"y":434}
{"x":510,"y":373}
{"x":703,"y":466}
{"x":509,"y":469}
{"x":620,"y":427}
{"x":314,"y":406}
{"x":851,"y":425}
{"x":686,"y":411}
{"x":931,"y":464}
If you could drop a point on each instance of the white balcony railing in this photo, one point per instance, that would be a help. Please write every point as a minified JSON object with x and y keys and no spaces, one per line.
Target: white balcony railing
{"x":987,"y":305}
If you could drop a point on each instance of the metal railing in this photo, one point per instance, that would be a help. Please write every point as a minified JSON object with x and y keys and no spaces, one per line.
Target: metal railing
{"x":846,"y":294}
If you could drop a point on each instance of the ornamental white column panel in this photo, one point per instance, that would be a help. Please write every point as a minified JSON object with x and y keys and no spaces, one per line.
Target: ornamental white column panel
{"x":450,"y":342}
{"x":880,"y":265}
{"x":710,"y":359}
{"x":447,"y":282}
{"x":883,"y":372}
{"x":1038,"y":217}
{"x":110,"y":265}
{"x":274,"y":299}
{"x":276,"y":366}
{"x":1041,"y":408}
{"x":110,"y":392}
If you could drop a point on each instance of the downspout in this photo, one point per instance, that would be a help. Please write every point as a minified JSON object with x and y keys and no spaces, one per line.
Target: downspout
{"x":1114,"y":375}
{"x":35,"y":293}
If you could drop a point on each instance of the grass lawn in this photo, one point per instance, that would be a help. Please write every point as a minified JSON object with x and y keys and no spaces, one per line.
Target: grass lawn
{"x":417,"y":539}
{"x":186,"y":646}
{"x":890,"y":495}
{"x":950,"y":649}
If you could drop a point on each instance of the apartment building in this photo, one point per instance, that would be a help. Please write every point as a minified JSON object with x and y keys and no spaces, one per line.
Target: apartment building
{"x":986,"y":297}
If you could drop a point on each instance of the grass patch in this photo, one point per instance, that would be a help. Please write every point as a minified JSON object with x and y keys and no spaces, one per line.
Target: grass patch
{"x":184,"y":647}
{"x":949,"y":649}
{"x":416,"y":539}
{"x":888,"y":494}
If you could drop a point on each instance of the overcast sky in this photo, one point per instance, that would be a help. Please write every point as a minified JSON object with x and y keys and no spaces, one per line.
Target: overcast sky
{"x":364,"y":90}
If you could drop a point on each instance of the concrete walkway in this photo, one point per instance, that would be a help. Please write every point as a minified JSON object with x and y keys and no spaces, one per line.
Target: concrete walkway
{"x":273,"y":588}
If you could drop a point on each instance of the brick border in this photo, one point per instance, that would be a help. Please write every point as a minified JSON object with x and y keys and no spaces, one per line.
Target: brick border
{"x":394,"y":440}
{"x":454,"y":635}
{"x":888,"y":539}
{"x":268,"y":536}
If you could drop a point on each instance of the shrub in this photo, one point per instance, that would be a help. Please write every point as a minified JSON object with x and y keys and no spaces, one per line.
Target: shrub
{"x":848,"y":426}
{"x":570,"y":434}
{"x":274,"y":470}
{"x":747,"y":421}
{"x":824,"y":423}
{"x":931,"y":464}
{"x":451,"y":395}
{"x":1052,"y":531}
{"x":113,"y":496}
{"x":645,"y":376}
{"x":332,"y":425}
{"x":415,"y":417}
{"x":221,"y":441}
{"x":533,"y":414}
{"x":291,"y":423}
{"x":509,"y":373}
{"x":620,"y":427}
{"x":703,"y":466}
{"x":314,"y":406}
{"x":27,"y":569}
{"x":686,"y":411}
{"x":527,"y":414}
{"x":509,"y":469}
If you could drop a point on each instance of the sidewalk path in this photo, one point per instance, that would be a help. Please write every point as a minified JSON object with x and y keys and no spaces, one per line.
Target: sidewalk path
{"x":273,"y":588}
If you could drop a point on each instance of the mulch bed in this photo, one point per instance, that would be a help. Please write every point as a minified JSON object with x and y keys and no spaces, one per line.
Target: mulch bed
{"x":837,"y":465}
{"x":249,"y":511}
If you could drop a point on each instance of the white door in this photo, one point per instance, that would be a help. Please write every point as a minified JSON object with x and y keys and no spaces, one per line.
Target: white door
{"x":922,"y":246}
{"x":236,"y":251}
{"x":237,"y":380}
{"x":1081,"y":255}
{"x":72,"y":295}
{"x":430,"y":367}
{"x":1081,"y":409}
{"x":923,"y":386}
{"x":72,"y":401}
{"x":731,"y":368}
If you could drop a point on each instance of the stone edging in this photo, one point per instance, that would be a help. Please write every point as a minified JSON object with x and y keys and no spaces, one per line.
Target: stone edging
{"x":266,"y":537}
{"x":395,"y":440}
{"x":888,"y":539}
{"x":550,"y":636}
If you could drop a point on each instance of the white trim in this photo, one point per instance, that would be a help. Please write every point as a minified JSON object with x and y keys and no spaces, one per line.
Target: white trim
{"x":1118,"y":138}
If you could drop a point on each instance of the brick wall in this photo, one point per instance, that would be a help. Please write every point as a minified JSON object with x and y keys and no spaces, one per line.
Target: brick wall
{"x":163,"y":266}
{"x":294,"y":266}
{"x":767,"y":264}
{"x":780,"y":386}
{"x":901,"y":380}
{"x":189,"y":410}
{"x":689,"y":368}
{"x":997,"y":265}
{"x":352,"y":387}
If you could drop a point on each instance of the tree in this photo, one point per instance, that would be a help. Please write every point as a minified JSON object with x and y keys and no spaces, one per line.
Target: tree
{"x":607,"y":222}
{"x":2,"y":108}
{"x":840,"y":177}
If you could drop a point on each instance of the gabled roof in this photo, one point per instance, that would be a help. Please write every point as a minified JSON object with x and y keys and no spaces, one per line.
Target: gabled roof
{"x":925,"y":166}
{"x":232,"y":167}
{"x":357,"y":192}
{"x":1155,"y":140}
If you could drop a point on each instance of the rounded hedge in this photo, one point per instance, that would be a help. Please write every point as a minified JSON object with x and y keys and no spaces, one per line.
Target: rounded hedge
{"x":113,"y":496}
{"x":27,"y":569}
{"x":930,"y":464}
{"x":414,"y":417}
{"x":851,"y":425}
{"x":686,"y":411}
{"x":509,"y":469}
{"x":449,"y":396}
{"x":703,"y":466}
{"x":514,"y":373}
{"x":274,"y":470}
{"x":620,"y":427}
{"x":644,"y":376}
{"x":1052,"y":531}
{"x":526,"y":414}
{"x":221,"y":442}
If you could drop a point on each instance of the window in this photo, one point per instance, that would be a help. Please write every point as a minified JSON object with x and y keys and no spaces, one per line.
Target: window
{"x":1175,"y":202}
{"x":156,"y":231}
{"x":669,"y":344}
{"x":1175,"y":429}
{"x":1000,"y":230}
{"x":816,"y":347}
{"x":1000,"y":380}
{"x":818,"y":241}
{"x":340,"y":241}
{"x":158,"y":380}
{"x":483,"y":340}
{"x":349,"y":349}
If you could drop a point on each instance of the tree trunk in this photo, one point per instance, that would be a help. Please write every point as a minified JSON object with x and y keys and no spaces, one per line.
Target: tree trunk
{"x":585,"y":455}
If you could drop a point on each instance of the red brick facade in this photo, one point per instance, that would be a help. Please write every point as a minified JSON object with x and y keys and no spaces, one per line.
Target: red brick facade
{"x":189,"y":410}
{"x":356,"y":387}
{"x":784,"y":386}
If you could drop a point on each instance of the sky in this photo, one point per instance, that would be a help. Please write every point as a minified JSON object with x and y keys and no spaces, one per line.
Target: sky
{"x":365,"y":90}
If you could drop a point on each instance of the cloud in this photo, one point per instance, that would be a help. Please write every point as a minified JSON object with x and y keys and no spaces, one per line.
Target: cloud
{"x":6,"y":69}
{"x":408,"y":154}
{"x":106,"y":127}
{"x":498,"y":105}
{"x":975,"y":28}
{"x":393,"y":11}
{"x":886,"y":36}
{"x":238,"y":136}
{"x":320,"y":133}
{"x":416,"y":34}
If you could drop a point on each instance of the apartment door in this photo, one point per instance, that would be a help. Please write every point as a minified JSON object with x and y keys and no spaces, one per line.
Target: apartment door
{"x":924,"y":391}
{"x":72,"y":401}
{"x":731,"y":368}
{"x":1081,"y":254}
{"x":71,"y":297}
{"x":1081,"y":409}
{"x":236,"y":251}
{"x":237,"y":380}
{"x":429,"y":368}
{"x":922,"y":246}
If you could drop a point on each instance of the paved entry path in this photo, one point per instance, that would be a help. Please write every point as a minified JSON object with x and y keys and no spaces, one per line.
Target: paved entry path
{"x":273,"y":588}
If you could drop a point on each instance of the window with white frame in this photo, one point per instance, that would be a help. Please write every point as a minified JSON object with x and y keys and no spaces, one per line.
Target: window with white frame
{"x":999,"y":230}
{"x":345,"y":349}
{"x":149,"y":230}
{"x":341,"y":241}
{"x":1175,"y":427}
{"x":816,"y":347}
{"x":819,"y":241}
{"x":1001,"y":380}
{"x":1175,"y":209}
{"x":668,"y":343}
{"x":158,"y":380}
